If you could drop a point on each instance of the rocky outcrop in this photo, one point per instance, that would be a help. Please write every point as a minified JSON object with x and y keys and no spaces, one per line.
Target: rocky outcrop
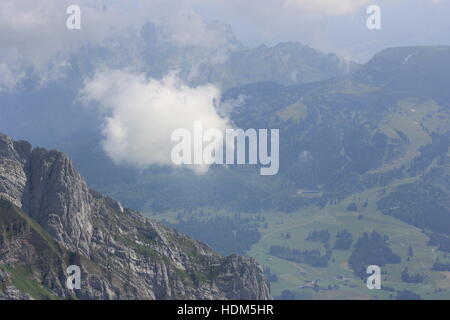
{"x":50,"y":219}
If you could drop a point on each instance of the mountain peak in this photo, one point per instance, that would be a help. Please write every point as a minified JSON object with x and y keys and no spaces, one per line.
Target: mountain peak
{"x":422,"y":70}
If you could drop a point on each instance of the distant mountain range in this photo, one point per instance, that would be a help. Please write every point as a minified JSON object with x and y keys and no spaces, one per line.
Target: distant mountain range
{"x":227,"y":64}
{"x":287,"y":63}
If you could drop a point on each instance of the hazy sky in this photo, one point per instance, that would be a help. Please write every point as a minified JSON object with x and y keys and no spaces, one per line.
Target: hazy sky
{"x":34,"y":32}
{"x":336,"y":25}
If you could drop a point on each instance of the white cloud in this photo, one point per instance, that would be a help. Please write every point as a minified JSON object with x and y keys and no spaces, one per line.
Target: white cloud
{"x":9,"y":78}
{"x":34,"y":35}
{"x":324,"y":7}
{"x":328,"y":7}
{"x":142,"y":113}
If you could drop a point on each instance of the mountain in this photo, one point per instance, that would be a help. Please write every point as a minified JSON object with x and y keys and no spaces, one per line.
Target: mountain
{"x":338,"y":136}
{"x":420,"y":70}
{"x":228,"y":63}
{"x":366,"y":154}
{"x":50,"y":219}
{"x":225,"y":63}
{"x":288,"y":63}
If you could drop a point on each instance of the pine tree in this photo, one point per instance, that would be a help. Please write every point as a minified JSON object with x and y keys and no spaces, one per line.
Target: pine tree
{"x":410,"y":252}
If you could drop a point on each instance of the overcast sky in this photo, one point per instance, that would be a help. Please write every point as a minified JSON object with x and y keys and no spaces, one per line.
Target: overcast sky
{"x":33,"y":35}
{"x":335,"y":25}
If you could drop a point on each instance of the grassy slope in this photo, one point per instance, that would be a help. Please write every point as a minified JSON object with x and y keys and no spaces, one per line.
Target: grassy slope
{"x":292,"y":275}
{"x":401,"y":235}
{"x":412,"y":117}
{"x":22,"y":275}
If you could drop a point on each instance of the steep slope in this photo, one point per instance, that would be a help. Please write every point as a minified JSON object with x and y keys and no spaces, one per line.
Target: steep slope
{"x":49,"y":219}
{"x":357,"y":131}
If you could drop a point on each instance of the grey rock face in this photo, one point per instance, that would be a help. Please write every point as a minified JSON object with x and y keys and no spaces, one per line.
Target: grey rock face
{"x":46,"y":186}
{"x":13,"y":159}
{"x":50,"y":219}
{"x":59,"y":199}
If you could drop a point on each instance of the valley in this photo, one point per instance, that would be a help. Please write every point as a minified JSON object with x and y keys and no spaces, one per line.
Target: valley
{"x":338,"y":281}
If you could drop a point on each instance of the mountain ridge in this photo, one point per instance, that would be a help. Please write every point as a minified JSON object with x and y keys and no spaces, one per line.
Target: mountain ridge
{"x":50,"y":219}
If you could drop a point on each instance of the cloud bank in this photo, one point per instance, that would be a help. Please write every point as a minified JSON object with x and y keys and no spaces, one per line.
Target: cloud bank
{"x":328,"y":7}
{"x":34,"y":37}
{"x":142,"y":113}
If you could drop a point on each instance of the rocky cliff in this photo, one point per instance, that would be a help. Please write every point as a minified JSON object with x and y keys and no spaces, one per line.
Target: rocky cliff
{"x":50,"y":219}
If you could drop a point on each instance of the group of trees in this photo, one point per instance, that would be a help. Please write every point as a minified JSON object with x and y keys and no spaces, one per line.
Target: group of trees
{"x":310,"y":257}
{"x":441,"y":241}
{"x":371,"y":249}
{"x":407,"y":295}
{"x":412,"y":278}
{"x":421,"y":205}
{"x":343,"y":241}
{"x":439,"y":266}
{"x":318,"y":235}
{"x":227,"y":235}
